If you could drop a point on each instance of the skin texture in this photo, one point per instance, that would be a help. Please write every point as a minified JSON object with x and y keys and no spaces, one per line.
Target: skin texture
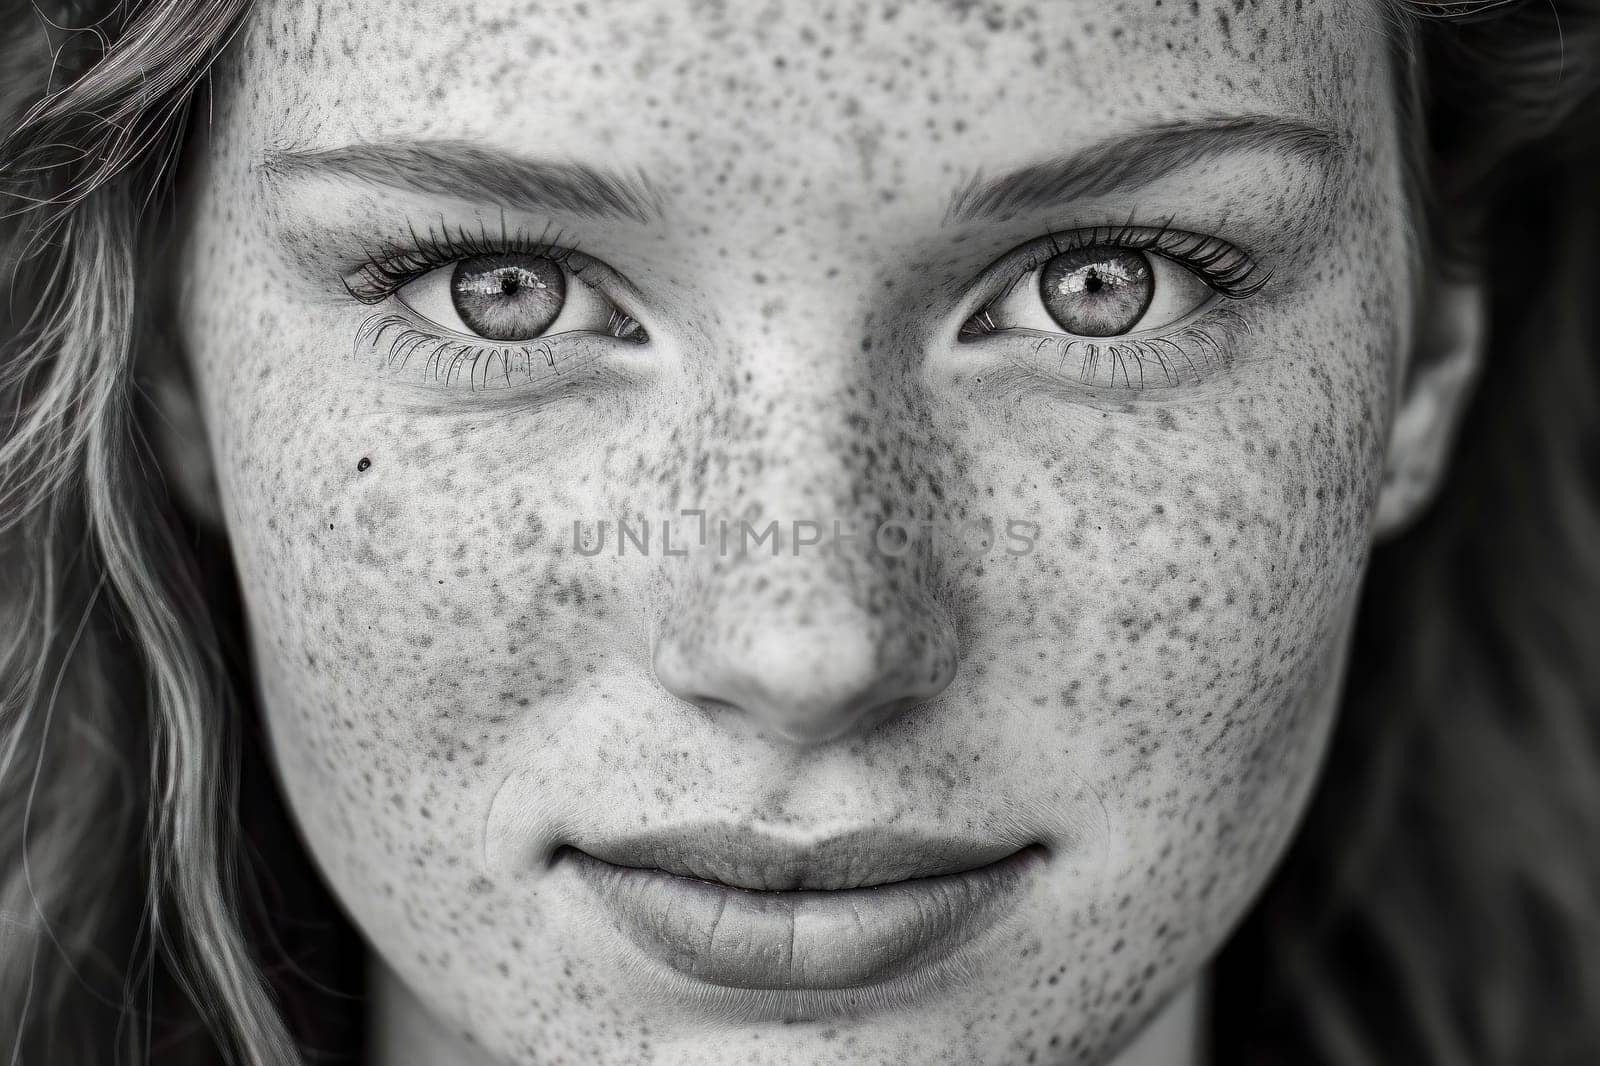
{"x":452,"y":690}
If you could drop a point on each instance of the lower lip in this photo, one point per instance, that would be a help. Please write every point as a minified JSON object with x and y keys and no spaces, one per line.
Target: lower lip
{"x":849,"y":938}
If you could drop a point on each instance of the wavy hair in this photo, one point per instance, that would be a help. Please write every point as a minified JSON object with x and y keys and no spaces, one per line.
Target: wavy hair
{"x":1442,"y":904}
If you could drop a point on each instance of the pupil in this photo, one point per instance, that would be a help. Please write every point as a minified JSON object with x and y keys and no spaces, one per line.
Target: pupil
{"x":1093,"y":282}
{"x":508,"y":284}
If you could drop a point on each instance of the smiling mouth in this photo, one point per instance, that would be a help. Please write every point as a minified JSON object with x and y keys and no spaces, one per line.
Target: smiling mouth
{"x":745,"y":911}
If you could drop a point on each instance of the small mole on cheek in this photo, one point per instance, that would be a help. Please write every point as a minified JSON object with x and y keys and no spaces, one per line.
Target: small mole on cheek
{"x":363,"y":464}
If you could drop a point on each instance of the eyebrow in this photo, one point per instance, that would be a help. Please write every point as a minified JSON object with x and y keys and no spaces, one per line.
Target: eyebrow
{"x":1134,"y":160}
{"x":470,"y":171}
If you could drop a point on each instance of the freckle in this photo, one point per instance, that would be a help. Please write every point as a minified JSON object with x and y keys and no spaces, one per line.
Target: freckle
{"x":362,"y":467}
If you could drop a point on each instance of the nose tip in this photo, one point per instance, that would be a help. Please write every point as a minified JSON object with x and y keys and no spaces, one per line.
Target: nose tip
{"x":814,"y":681}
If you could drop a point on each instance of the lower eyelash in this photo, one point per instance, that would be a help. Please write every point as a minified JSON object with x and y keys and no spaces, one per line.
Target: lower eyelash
{"x":1189,"y":355}
{"x":449,"y":362}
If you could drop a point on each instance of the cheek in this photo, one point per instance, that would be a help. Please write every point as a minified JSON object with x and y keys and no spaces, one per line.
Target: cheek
{"x":422,"y":633}
{"x":415,"y":589}
{"x":407,"y":592}
{"x":1181,"y":625}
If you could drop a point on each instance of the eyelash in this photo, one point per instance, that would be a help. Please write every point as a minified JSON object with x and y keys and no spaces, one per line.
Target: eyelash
{"x":1194,"y":348}
{"x":448,"y":361}
{"x":1226,"y":269}
{"x":391,"y":267}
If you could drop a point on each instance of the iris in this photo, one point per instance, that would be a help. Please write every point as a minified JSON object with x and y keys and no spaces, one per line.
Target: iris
{"x":1097,"y":292}
{"x":508,"y":297}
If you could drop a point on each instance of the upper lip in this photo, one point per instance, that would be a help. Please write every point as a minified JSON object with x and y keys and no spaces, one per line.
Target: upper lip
{"x":743,"y":857}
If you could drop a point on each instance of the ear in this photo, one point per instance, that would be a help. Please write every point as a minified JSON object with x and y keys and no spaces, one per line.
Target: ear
{"x":177,"y":430}
{"x":1441,"y":374}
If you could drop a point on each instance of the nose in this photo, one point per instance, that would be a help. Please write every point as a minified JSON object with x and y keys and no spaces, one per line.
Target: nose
{"x":832,"y":624}
{"x":818,"y":430}
{"x":811,"y":650}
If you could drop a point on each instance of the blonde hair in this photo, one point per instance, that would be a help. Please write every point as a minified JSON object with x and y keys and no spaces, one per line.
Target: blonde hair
{"x":99,"y":589}
{"x":119,"y":834}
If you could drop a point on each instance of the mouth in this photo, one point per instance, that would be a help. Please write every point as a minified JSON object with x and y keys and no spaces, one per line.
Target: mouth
{"x":745,"y":910}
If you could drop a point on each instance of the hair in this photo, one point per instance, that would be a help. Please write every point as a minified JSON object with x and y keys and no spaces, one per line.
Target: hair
{"x":1442,"y":903}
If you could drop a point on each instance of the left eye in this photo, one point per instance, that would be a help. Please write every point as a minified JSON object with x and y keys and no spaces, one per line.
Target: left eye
{"x":1099,"y":291}
{"x":512,"y":297}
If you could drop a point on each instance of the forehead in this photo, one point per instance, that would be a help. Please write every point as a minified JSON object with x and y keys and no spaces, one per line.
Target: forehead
{"x":703,"y":94}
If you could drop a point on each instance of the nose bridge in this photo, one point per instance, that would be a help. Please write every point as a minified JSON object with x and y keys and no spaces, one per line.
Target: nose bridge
{"x":809,"y":608}
{"x":805,"y":425}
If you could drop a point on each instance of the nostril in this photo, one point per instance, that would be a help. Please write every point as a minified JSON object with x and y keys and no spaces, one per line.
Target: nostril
{"x":810,"y":683}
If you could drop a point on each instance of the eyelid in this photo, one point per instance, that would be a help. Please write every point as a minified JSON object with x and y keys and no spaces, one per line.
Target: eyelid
{"x":1226,"y":268}
{"x":1179,"y":295}
{"x":391,"y":266}
{"x":387,"y":270}
{"x":382,"y":276}
{"x":427,"y":297}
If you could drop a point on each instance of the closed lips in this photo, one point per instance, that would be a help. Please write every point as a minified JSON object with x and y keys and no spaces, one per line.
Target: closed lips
{"x":725,"y":932}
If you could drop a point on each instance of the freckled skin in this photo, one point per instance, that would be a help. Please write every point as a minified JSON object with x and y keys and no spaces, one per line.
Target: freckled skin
{"x":451,"y":688}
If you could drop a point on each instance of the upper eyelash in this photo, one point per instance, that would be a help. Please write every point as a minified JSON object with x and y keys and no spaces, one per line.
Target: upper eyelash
{"x":1226,"y":268}
{"x":391,"y":267}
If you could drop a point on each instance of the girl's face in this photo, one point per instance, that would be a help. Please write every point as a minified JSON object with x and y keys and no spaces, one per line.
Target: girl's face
{"x":1057,"y":340}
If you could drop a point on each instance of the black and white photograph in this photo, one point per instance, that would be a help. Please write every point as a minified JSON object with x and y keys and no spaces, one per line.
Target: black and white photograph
{"x":800,"y":533}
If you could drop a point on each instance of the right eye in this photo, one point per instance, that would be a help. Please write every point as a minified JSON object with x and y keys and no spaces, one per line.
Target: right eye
{"x":513,"y":297}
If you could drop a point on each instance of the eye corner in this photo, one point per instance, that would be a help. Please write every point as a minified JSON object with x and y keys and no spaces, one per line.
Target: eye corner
{"x":978,"y":325}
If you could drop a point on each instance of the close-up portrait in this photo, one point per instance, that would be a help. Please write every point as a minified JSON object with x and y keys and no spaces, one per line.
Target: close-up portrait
{"x":723,"y":532}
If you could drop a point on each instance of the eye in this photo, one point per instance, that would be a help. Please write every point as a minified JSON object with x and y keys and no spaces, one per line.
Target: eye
{"x":1097,"y":291}
{"x":513,"y":297}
